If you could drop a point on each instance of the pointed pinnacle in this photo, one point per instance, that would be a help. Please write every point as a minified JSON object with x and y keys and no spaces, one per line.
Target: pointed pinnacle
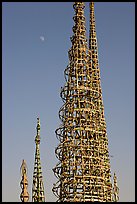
{"x":24,"y":196}
{"x":37,"y":138}
{"x":115,"y":178}
{"x":92,"y":32}
{"x":38,"y":125}
{"x":23,"y":168}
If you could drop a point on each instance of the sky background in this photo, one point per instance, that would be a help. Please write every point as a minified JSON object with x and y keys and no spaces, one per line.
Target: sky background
{"x":33,"y":73}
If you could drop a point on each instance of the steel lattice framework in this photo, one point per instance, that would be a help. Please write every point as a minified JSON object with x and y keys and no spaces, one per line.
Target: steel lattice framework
{"x":38,"y":187}
{"x":83,"y":170}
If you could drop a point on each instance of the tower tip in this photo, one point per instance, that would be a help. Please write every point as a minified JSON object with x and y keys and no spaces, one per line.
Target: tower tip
{"x":38,"y":123}
{"x":38,"y":186}
{"x":24,"y":196}
{"x":37,"y":138}
{"x":23,"y":168}
{"x":38,"y":120}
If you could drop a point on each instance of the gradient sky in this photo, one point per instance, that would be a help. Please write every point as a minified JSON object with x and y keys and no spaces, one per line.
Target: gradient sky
{"x":33,"y":73}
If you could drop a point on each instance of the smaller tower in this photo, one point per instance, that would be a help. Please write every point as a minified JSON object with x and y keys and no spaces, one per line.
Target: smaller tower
{"x":38,"y":187}
{"x":115,"y":189}
{"x":24,"y":196}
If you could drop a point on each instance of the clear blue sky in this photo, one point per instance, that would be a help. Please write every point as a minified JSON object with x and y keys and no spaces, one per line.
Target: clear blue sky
{"x":32,"y":74}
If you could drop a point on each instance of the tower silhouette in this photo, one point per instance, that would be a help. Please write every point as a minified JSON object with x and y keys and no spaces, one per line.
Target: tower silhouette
{"x":83,"y":170}
{"x":38,"y":187}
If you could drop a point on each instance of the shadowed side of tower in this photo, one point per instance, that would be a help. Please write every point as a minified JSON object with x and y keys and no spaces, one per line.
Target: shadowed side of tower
{"x":38,"y":186}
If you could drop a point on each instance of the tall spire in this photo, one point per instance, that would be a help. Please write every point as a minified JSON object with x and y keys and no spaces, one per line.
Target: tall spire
{"x":94,"y":62}
{"x":92,"y":33}
{"x":24,"y":196}
{"x":71,"y":133}
{"x":83,"y":170}
{"x":99,"y":119}
{"x":115,"y":189}
{"x":38,"y":187}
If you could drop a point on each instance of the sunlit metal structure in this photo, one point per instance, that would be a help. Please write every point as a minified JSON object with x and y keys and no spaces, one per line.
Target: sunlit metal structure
{"x":83,"y":170}
{"x":38,"y":186}
{"x":24,"y":196}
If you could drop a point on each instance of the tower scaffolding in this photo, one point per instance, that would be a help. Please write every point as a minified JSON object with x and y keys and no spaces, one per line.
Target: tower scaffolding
{"x":38,"y":186}
{"x":83,"y":170}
